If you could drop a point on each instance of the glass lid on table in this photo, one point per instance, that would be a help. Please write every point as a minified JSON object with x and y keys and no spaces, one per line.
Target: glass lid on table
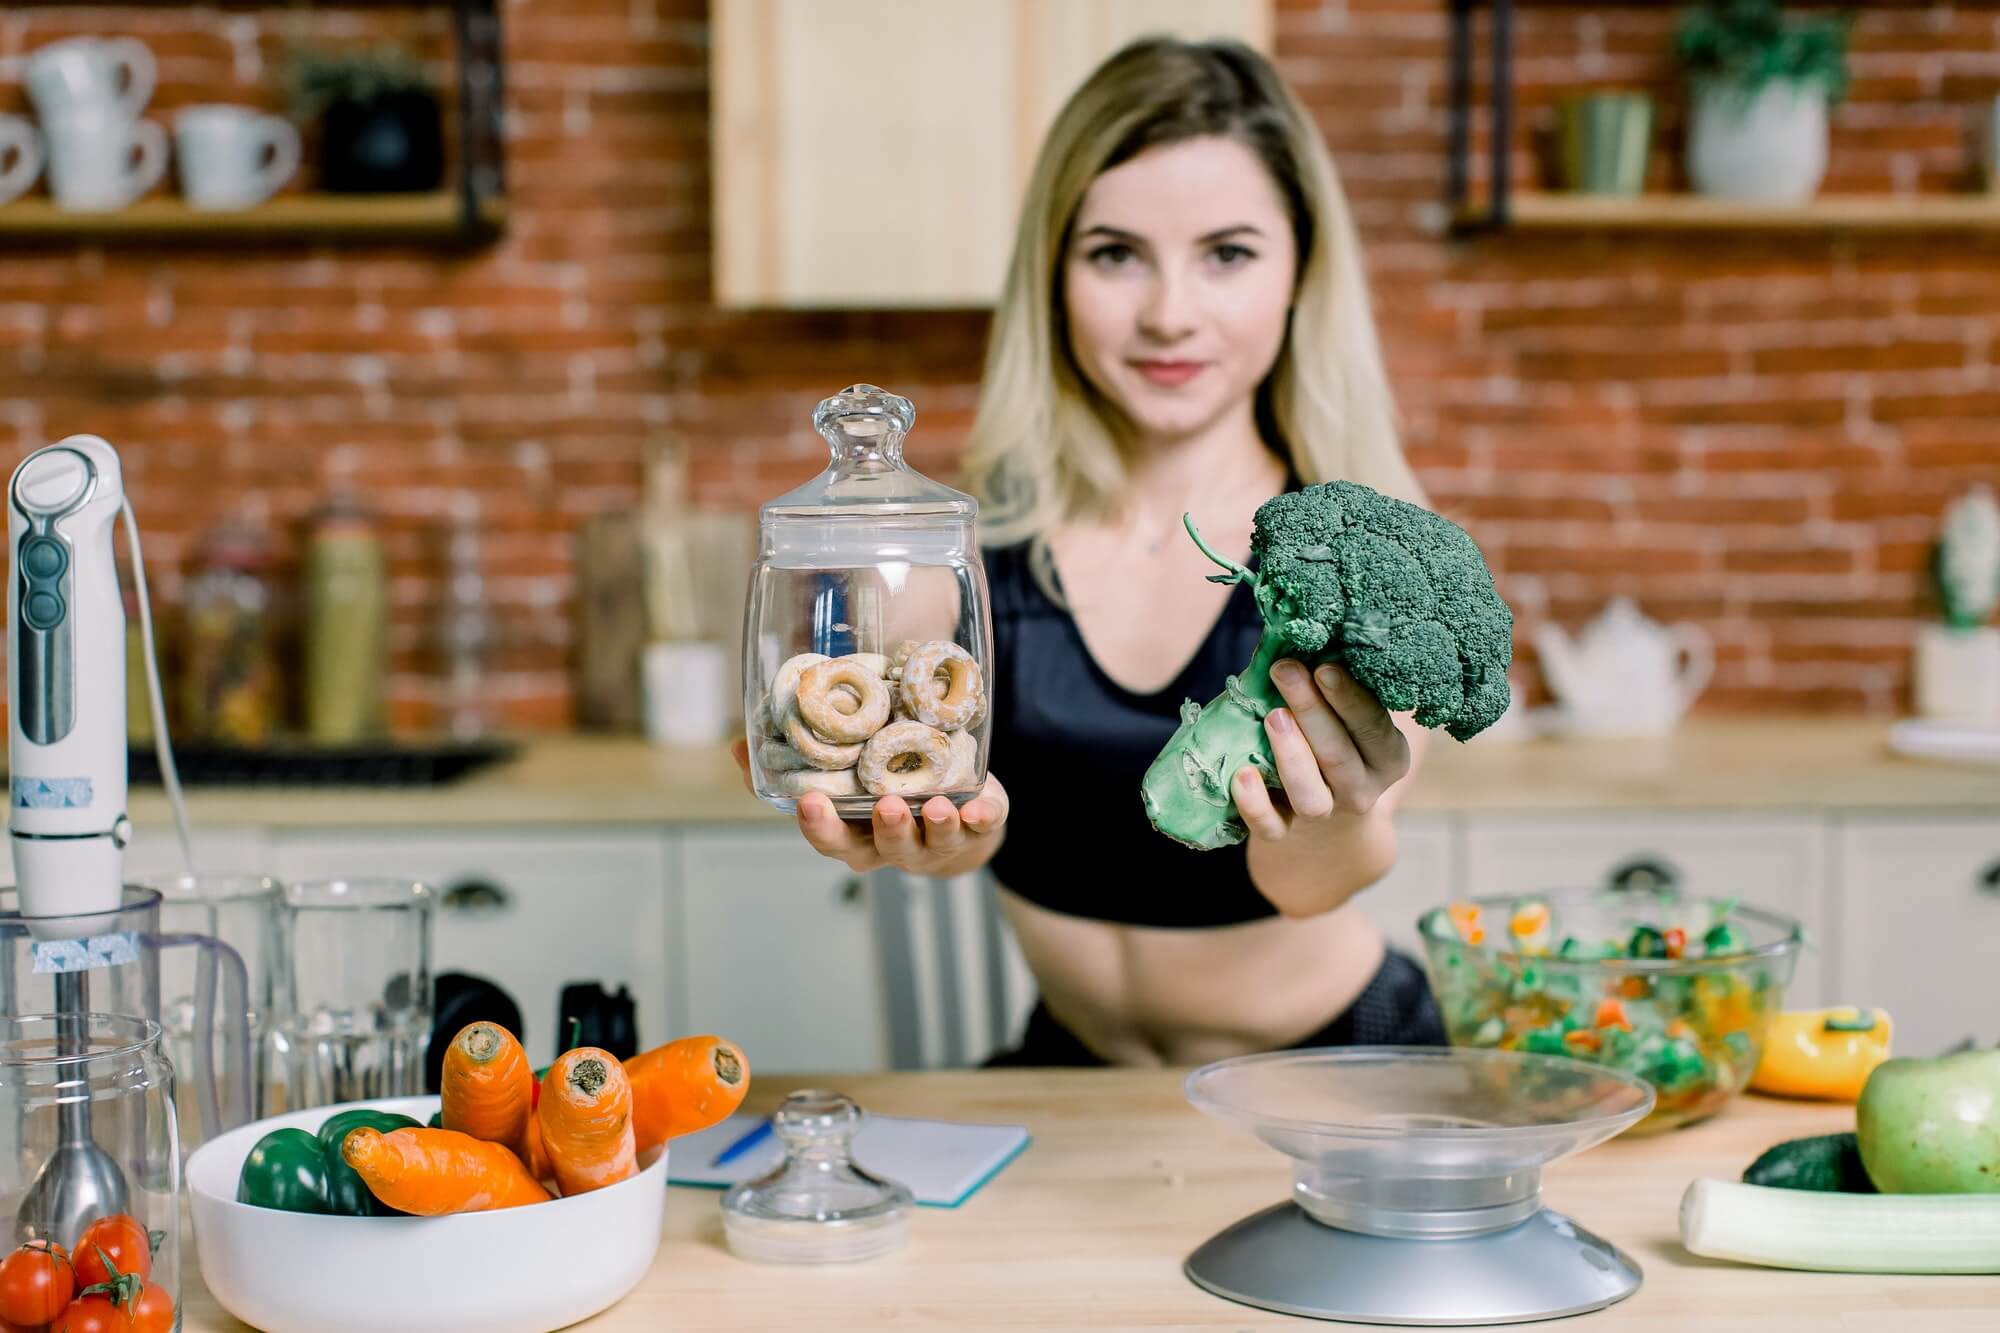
{"x":867,"y":664}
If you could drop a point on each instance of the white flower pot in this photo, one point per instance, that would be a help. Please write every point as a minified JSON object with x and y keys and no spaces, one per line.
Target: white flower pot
{"x":1764,"y":147}
{"x":1958,"y":674}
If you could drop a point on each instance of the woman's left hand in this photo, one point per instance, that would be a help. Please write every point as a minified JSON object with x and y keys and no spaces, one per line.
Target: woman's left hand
{"x":1337,"y":750}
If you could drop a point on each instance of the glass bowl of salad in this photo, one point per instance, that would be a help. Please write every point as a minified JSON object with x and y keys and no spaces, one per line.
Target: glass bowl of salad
{"x":1675,"y":988}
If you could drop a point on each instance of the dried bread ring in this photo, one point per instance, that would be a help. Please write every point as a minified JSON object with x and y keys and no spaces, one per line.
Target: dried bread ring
{"x":964,"y":759}
{"x":878,"y":663}
{"x":834,"y":782}
{"x":774,"y":756}
{"x":817,"y":751}
{"x":843,"y":700}
{"x":941,"y":685}
{"x":785,"y":685}
{"x":904,"y":758}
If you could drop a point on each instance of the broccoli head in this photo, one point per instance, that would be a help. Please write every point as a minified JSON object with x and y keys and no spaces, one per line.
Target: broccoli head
{"x":1396,"y":594}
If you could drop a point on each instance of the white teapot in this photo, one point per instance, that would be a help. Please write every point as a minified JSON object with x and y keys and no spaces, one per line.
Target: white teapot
{"x":1624,"y":675}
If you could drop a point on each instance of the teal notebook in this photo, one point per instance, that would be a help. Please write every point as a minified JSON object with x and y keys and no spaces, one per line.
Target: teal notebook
{"x":943,"y":1162}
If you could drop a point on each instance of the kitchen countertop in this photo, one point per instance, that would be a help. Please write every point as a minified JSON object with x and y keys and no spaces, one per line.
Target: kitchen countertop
{"x":1090,"y":1225}
{"x":1710,"y":763}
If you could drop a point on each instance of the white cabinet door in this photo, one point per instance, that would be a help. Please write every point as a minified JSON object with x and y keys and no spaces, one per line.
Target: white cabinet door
{"x":1776,"y":862}
{"x":155,"y":850}
{"x":1920,"y":927}
{"x":780,"y":949}
{"x":530,"y":912}
{"x":1424,"y":877}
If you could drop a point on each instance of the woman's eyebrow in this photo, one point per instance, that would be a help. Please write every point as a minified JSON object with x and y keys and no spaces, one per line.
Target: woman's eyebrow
{"x":1226,"y":232}
{"x":1114,"y":233}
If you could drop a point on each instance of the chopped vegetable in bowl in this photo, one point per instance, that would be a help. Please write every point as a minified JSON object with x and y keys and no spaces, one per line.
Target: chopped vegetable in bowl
{"x":1676,"y":989}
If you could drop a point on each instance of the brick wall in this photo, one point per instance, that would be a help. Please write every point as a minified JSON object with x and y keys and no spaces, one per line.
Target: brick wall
{"x":1757,"y":434}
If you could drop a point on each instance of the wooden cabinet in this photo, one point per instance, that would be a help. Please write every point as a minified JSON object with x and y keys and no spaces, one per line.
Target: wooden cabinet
{"x":1776,"y":862}
{"x":873,"y":153}
{"x":779,"y":951}
{"x":530,"y":911}
{"x":1918,"y":927}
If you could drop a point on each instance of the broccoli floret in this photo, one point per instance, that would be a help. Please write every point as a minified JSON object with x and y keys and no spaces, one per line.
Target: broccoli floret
{"x":1398,"y":595}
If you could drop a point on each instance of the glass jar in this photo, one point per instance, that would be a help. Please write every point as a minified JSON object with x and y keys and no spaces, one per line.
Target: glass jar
{"x":230,"y":686}
{"x":867,"y":639}
{"x":87,"y":1119}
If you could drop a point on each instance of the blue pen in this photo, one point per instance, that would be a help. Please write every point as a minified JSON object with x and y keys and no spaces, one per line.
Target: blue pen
{"x":743,"y":1145}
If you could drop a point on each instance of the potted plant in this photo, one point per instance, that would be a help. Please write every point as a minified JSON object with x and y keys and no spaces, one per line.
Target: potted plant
{"x":381,"y":127}
{"x":1958,"y":661}
{"x":1760,"y":85}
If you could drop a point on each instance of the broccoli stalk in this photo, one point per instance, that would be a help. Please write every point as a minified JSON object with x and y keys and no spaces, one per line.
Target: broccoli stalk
{"x":1186,"y":789}
{"x":1396,"y":594}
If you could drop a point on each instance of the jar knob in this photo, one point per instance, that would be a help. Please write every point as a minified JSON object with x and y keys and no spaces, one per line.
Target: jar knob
{"x":814,"y":1118}
{"x":863,"y":418}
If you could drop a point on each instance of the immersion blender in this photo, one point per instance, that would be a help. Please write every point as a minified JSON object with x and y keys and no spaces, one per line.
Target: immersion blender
{"x":67,"y":771}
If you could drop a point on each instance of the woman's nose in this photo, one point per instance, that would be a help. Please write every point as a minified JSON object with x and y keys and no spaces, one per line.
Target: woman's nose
{"x":1168,"y":313}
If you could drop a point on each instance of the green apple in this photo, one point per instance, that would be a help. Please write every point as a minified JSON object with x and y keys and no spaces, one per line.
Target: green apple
{"x":1932,"y":1126}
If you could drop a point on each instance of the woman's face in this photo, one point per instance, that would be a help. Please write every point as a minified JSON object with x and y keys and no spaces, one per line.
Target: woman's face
{"x":1178,"y":280}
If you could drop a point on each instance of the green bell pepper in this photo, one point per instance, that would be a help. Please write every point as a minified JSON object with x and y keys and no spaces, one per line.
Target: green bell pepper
{"x":298,"y":1172}
{"x":286,"y":1170}
{"x":347,"y":1195}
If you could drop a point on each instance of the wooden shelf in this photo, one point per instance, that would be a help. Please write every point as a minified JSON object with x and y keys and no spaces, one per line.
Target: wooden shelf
{"x":437,"y":216}
{"x":1530,"y":211}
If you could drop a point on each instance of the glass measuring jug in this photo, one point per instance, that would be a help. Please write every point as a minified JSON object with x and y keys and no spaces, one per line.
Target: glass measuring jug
{"x":115,"y":968}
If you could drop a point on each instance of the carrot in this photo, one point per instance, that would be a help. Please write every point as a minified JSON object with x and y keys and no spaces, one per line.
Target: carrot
{"x":431,"y":1172}
{"x":586,"y":1120}
{"x":685,"y":1086}
{"x":533,"y":1153}
{"x":487,"y":1086}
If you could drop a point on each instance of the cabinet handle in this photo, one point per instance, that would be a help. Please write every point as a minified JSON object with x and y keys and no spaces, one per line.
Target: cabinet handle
{"x":1647,"y":873}
{"x":476,"y":897}
{"x":1989,"y":880}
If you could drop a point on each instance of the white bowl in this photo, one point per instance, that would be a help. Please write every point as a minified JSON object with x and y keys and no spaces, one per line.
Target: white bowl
{"x":517,"y":1270}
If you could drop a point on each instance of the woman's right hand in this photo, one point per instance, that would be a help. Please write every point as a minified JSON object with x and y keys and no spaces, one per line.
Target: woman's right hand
{"x":944,"y":841}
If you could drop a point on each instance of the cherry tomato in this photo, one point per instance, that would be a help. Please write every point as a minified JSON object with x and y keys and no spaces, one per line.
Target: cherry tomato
{"x":93,"y":1314}
{"x":117,"y":1238}
{"x":153,"y":1312}
{"x":36,"y":1282}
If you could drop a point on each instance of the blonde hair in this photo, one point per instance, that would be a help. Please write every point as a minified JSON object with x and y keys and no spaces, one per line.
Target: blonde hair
{"x":1041,"y":450}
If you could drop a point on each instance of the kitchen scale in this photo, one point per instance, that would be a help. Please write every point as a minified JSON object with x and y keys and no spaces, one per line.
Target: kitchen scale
{"x":1416,"y":1184}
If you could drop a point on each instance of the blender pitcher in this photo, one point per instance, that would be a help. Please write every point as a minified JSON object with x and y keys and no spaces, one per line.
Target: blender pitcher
{"x":113,"y":967}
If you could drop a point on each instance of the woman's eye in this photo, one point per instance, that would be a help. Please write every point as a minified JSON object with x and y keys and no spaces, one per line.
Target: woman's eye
{"x":1229,"y":256}
{"x":1110,"y":255}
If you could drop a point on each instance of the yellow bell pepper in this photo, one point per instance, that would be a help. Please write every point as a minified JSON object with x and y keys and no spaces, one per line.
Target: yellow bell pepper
{"x":1825,"y":1053}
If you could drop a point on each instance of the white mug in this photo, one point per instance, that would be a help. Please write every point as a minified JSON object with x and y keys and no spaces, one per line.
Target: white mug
{"x":20,"y":156}
{"x":233,"y":156}
{"x":685,"y":687}
{"x":91,"y":164}
{"x":89,"y":74}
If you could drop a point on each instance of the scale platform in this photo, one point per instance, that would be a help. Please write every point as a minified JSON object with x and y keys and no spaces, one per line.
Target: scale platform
{"x":1416,"y":1184}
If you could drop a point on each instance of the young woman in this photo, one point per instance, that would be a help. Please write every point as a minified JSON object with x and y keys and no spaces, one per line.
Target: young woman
{"x":1185,"y":328}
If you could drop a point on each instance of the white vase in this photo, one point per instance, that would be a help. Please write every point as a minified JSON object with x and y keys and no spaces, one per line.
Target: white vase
{"x":1763,"y":147}
{"x":1958,"y":674}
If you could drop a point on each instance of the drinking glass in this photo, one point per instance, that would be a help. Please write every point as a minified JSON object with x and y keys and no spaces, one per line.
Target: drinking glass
{"x":354,"y":991}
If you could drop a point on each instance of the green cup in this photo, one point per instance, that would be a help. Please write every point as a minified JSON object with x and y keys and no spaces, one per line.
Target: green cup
{"x":1606,"y":141}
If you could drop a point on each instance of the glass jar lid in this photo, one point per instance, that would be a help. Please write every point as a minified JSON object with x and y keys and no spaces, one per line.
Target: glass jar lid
{"x":868,"y":503}
{"x":818,"y":1205}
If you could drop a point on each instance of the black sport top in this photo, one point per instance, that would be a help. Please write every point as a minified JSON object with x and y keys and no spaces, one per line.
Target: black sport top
{"x":1072,"y":746}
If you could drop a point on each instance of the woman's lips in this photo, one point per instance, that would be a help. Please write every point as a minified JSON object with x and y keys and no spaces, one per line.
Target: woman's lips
{"x":1169,"y":374}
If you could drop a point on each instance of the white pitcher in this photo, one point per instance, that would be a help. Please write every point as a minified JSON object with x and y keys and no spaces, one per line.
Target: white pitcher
{"x":1625,"y":675}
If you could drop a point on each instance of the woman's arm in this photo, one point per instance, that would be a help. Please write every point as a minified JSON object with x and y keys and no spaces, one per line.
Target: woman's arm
{"x":1345,"y":762}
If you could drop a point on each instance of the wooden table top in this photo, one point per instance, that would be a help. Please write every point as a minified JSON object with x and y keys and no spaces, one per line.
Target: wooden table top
{"x":1089,"y":1227}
